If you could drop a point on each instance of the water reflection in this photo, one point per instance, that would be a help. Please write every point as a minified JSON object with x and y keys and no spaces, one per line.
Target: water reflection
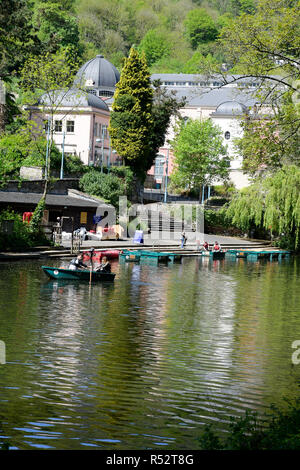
{"x":145,"y":361}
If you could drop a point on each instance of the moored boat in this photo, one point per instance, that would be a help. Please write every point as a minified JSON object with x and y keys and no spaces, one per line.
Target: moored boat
{"x":78,"y":275}
{"x":99,"y":254}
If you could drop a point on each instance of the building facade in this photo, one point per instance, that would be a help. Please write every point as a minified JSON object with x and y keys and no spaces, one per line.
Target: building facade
{"x":81,"y":121}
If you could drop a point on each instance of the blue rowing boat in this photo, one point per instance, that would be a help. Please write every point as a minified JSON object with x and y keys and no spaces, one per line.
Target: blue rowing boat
{"x":79,"y":275}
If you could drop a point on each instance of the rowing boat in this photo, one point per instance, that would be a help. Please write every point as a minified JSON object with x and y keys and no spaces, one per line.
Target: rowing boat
{"x":97,"y":255}
{"x":79,"y":275}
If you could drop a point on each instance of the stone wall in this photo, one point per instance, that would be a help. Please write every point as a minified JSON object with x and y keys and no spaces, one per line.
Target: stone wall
{"x":37,"y":186}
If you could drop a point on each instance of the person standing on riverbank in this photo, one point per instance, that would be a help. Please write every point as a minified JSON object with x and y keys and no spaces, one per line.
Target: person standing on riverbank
{"x":183,"y":239}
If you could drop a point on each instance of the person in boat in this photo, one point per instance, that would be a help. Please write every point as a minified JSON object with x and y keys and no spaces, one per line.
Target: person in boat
{"x":205,"y":246}
{"x":77,"y":263}
{"x":217,"y":247}
{"x":105,"y":266}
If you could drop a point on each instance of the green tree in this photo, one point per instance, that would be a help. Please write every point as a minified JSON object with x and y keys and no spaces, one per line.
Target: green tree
{"x":199,"y":27}
{"x":238,"y":7}
{"x":270,"y":141}
{"x":16,"y":39}
{"x":155,"y":45}
{"x":199,"y":63}
{"x":199,"y":154}
{"x":272,"y":203}
{"x":165,"y":105}
{"x":266,"y":45}
{"x":48,"y":81}
{"x":107,"y":186}
{"x":56,"y":26}
{"x":131,"y":118}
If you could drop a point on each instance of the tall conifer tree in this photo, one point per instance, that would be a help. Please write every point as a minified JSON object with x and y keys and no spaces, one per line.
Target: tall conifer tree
{"x":131,"y":121}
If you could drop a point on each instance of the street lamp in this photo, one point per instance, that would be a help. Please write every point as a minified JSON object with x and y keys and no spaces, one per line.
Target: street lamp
{"x":47,"y":148}
{"x":102,"y":152}
{"x":166,"y":177}
{"x":62,"y":158}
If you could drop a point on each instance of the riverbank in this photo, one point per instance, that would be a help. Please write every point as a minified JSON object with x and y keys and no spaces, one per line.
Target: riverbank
{"x":155,"y":242}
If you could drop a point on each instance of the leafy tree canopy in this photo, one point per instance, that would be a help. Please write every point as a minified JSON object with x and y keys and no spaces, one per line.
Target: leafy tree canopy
{"x":155,"y":45}
{"x":199,"y":27}
{"x":107,"y":186}
{"x":199,"y":154}
{"x":272,"y":203}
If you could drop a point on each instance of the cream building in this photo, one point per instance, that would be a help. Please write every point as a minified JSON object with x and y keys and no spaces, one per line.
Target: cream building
{"x":207,"y":98}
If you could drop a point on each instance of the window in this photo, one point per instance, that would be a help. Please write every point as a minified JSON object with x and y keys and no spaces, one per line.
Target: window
{"x":159,"y":166}
{"x":106,"y":93}
{"x":104,"y":132}
{"x":70,"y":126}
{"x":227,"y":135}
{"x":45,"y":125}
{"x":58,"y":126}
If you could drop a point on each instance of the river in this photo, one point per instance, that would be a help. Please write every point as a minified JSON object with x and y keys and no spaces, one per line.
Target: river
{"x":144,"y":362}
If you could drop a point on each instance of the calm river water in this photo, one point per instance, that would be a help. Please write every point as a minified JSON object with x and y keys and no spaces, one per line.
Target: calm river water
{"x":147,"y":361}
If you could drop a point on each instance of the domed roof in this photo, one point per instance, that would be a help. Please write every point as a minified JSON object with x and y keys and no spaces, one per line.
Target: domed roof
{"x":231,"y":108}
{"x":98,"y":73}
{"x":74,"y":98}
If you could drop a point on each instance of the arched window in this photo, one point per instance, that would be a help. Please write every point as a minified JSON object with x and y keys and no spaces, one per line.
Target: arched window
{"x":227,"y":135}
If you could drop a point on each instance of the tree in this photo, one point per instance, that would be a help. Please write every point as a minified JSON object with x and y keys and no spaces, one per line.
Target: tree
{"x":165,"y":105}
{"x":270,"y":141}
{"x":107,"y":186}
{"x":199,"y":63}
{"x":199,"y":27}
{"x":199,"y":154}
{"x":155,"y":46}
{"x":16,"y":44}
{"x":272,"y":203}
{"x":266,"y":46}
{"x":56,"y":26}
{"x":16,"y":39}
{"x":141,"y":115}
{"x":48,"y":81}
{"x":131,"y":120}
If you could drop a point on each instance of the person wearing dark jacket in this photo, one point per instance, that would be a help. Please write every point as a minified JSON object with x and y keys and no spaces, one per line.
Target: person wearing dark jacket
{"x":76,"y":263}
{"x":105,"y":266}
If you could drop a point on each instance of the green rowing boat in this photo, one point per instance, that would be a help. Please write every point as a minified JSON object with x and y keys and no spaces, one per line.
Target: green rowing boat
{"x":79,"y":275}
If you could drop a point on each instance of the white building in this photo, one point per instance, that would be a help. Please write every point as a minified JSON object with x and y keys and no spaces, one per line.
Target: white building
{"x":82,"y":119}
{"x":81,"y":114}
{"x":206,"y":98}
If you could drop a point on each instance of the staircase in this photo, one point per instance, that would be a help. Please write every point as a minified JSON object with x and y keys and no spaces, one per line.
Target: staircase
{"x":158,"y":221}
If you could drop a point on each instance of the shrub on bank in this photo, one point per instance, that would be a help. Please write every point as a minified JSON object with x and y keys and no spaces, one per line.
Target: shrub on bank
{"x":280,"y":431}
{"x":22,"y":236}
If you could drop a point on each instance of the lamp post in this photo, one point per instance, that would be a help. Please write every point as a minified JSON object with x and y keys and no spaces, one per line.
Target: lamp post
{"x":47,"y":148}
{"x":102,"y":149}
{"x":166,"y":177}
{"x":62,"y":158}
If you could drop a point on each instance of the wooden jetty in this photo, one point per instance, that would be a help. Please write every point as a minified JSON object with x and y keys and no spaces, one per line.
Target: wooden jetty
{"x":147,"y":255}
{"x":213,"y":254}
{"x":255,"y":255}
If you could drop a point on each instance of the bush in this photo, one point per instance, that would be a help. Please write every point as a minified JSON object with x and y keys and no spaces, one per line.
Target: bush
{"x":22,"y":236}
{"x":278,"y":431}
{"x":107,"y":186}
